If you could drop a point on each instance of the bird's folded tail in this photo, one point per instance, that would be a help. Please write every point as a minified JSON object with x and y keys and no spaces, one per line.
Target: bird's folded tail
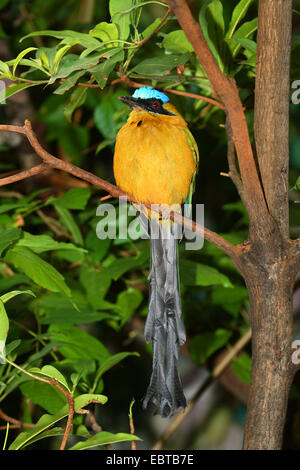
{"x":164,"y":325}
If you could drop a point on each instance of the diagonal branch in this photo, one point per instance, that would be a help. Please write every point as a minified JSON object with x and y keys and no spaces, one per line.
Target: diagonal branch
{"x":54,"y":162}
{"x":228,"y":92}
{"x":24,"y":174}
{"x":233,"y":172}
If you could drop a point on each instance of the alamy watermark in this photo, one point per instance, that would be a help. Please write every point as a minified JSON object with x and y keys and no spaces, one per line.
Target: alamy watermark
{"x":296,"y":94}
{"x":135,"y":222}
{"x":2,"y":92}
{"x":296,"y":353}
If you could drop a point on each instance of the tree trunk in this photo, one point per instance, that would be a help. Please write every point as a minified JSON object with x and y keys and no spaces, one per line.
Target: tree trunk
{"x":269,"y":271}
{"x":270,"y":292}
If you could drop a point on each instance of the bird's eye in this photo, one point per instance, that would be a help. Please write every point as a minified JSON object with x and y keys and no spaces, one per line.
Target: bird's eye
{"x":155,"y":104}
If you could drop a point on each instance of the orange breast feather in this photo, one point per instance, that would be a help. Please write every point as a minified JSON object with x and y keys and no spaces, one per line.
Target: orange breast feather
{"x":153,"y":161}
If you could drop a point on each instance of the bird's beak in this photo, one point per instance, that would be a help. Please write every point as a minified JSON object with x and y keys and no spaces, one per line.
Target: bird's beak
{"x":132,"y":102}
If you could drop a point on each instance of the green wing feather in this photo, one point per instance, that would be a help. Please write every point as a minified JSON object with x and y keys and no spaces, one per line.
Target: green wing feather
{"x":194,"y":147}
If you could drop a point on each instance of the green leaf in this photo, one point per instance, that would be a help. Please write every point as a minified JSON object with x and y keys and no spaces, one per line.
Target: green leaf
{"x":212,"y":42}
{"x":44,"y":59}
{"x":7,"y":283}
{"x":72,"y":63}
{"x":69,"y":82}
{"x":60,"y":53}
{"x":202,"y":346}
{"x":149,"y":30}
{"x":3,"y":3}
{"x":238,"y":14}
{"x":49,"y":433}
{"x":68,"y":221}
{"x":197,"y":274}
{"x":105,"y":31}
{"x":117,"y":10}
{"x":79,"y":344}
{"x":84,"y":39}
{"x":101,"y":72}
{"x":215,"y":8}
{"x":102,"y":438}
{"x":177,"y":42}
{"x":10,"y":295}
{"x":2,"y":32}
{"x":41,"y":272}
{"x":245,"y":31}
{"x":50,"y":371}
{"x":58,"y":309}
{"x":4,"y":67}
{"x":105,"y":114}
{"x":4,"y":326}
{"x":44,"y":395}
{"x":230,"y":300}
{"x":112,"y":361}
{"x":46,"y":421}
{"x":20,"y":56}
{"x":297,"y":184}
{"x":13,"y":89}
{"x":242,"y":368}
{"x":8,"y":236}
{"x":97,"y":248}
{"x":246,"y":43}
{"x":43,"y":243}
{"x":75,"y":198}
{"x":96,"y":284}
{"x":121,"y":265}
{"x":127,"y":303}
{"x":12,"y":346}
{"x":74,"y":140}
{"x":77,"y":99}
{"x":160,"y":65}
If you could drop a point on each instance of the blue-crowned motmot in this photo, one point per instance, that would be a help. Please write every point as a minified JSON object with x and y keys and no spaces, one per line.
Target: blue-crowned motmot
{"x":155,"y":161}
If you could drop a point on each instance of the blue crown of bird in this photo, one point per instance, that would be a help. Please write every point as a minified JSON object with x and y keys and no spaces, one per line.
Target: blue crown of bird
{"x":156,"y":161}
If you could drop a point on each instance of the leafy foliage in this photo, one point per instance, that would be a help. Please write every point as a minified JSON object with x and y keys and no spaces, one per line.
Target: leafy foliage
{"x":85,"y":298}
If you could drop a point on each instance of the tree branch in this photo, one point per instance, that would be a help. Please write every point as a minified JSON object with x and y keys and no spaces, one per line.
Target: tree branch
{"x":22,"y":175}
{"x":17,"y":424}
{"x":131,"y":83}
{"x":187,"y":94}
{"x":228,"y":92}
{"x":143,"y":41}
{"x":53,"y":162}
{"x":233,"y":172}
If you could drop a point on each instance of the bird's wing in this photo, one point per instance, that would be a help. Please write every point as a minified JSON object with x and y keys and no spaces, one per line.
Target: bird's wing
{"x":193,"y":145}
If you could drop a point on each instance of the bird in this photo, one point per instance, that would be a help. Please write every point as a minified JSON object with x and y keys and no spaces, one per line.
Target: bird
{"x":155,"y":162}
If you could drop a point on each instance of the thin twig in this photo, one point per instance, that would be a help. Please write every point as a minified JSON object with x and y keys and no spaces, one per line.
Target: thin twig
{"x":15,"y":422}
{"x":216,"y":372}
{"x":131,"y":424}
{"x":233,"y":172}
{"x":143,"y":41}
{"x":59,"y":387}
{"x":97,"y":428}
{"x":22,"y":175}
{"x":133,"y":84}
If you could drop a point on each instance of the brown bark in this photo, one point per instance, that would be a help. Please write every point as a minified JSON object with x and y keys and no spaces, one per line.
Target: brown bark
{"x":272,"y":91}
{"x":270,"y":286}
{"x":271,"y":272}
